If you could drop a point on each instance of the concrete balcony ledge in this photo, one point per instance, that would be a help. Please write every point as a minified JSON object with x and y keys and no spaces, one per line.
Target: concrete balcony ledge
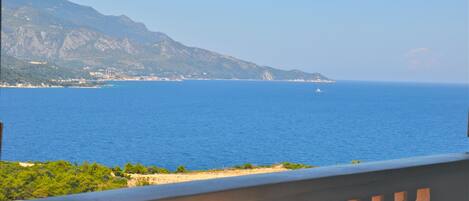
{"x":437,"y":178}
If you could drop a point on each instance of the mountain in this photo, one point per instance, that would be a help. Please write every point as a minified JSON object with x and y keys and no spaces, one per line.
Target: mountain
{"x":77,"y":37}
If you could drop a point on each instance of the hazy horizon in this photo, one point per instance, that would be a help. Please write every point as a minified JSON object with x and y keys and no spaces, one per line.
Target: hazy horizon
{"x":418,"y":41}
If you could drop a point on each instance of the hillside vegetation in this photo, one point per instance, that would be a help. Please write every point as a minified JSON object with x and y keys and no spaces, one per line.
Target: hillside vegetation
{"x":17,"y":71}
{"x":20,"y":181}
{"x":54,"y":178}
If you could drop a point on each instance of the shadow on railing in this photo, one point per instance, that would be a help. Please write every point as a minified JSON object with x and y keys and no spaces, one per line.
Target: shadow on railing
{"x":436,"y":178}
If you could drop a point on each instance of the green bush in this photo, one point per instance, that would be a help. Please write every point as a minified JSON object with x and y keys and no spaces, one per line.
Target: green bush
{"x":135,"y":169}
{"x":245,"y":166}
{"x":118,"y":171}
{"x":128,"y":168}
{"x":140,"y":169}
{"x":157,"y":170}
{"x":181,"y":169}
{"x":142,"y":182}
{"x":356,"y":162}
{"x":295,"y":166}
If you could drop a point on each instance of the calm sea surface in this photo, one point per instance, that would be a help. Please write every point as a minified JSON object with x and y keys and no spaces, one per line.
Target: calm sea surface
{"x":214,"y":124}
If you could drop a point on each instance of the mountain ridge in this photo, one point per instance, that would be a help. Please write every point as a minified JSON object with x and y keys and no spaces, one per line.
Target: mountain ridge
{"x":79,"y":37}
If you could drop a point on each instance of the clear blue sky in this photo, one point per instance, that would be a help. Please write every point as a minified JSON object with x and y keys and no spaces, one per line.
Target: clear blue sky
{"x":399,"y":40}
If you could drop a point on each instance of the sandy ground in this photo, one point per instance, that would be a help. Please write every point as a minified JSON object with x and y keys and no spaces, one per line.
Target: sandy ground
{"x":24,"y":164}
{"x":192,"y":176}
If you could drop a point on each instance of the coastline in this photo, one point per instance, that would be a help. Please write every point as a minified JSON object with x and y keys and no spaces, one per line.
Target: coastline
{"x":44,"y":87}
{"x":258,"y":80}
{"x":28,"y":87}
{"x":97,"y":86}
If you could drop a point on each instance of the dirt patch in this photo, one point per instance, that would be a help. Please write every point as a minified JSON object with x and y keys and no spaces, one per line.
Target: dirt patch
{"x":24,"y":164}
{"x":202,"y":175}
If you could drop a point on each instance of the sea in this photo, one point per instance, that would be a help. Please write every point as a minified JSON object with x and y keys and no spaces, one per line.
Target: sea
{"x":219,"y":124}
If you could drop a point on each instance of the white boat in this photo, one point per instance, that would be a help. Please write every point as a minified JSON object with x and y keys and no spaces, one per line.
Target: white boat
{"x":318,"y":90}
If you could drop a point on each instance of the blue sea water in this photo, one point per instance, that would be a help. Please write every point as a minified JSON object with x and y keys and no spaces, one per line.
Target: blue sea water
{"x":215,"y":124}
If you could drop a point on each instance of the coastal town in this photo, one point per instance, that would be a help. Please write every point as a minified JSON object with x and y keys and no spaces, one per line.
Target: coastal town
{"x":98,"y":77}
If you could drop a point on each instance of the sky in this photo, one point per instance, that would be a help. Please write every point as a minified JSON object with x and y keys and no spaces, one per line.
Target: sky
{"x":399,"y":40}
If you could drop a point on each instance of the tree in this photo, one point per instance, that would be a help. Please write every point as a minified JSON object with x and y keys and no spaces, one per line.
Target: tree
{"x":129,"y":168}
{"x":157,"y":170}
{"x":118,"y":171}
{"x":140,"y":169}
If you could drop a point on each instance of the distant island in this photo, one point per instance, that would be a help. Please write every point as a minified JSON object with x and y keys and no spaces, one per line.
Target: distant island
{"x":57,"y":43}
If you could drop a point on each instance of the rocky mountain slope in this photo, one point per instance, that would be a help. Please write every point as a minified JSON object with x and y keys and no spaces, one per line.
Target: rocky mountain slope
{"x":80,"y":38}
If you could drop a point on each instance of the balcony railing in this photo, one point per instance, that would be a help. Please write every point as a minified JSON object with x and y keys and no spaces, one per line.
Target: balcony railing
{"x":436,"y":178}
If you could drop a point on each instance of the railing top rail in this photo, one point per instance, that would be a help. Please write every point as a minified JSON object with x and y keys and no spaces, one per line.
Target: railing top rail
{"x":168,"y":191}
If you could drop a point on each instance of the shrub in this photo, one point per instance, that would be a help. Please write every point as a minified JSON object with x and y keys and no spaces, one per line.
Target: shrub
{"x":118,"y":171}
{"x":129,"y":168}
{"x":142,"y":182}
{"x":181,"y":169}
{"x":356,"y":162}
{"x":245,"y":166}
{"x":295,"y":166}
{"x":140,"y":169}
{"x":135,"y":169}
{"x":157,"y":170}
